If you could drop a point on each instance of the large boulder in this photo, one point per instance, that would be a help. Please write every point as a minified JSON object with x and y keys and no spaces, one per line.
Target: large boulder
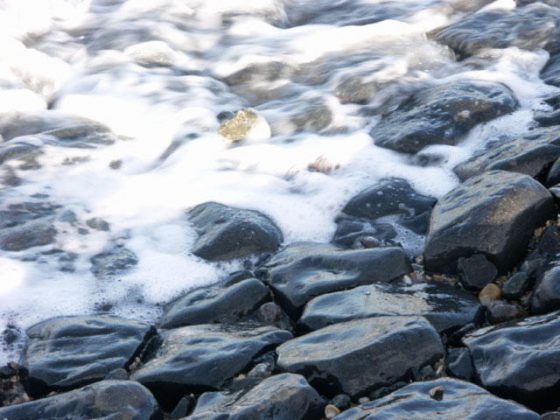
{"x":215,"y":304}
{"x":530,"y":27}
{"x":551,"y":71}
{"x":442,"y":114}
{"x":546,"y":297}
{"x":228,"y":232}
{"x":446,"y":307}
{"x":302,"y":271}
{"x":440,"y":399}
{"x":529,"y":157}
{"x":202,"y":357}
{"x":68,"y":352}
{"x":493,"y":214}
{"x":280,"y":397}
{"x":362,"y":356}
{"x":520,"y":360}
{"x":106,"y":399}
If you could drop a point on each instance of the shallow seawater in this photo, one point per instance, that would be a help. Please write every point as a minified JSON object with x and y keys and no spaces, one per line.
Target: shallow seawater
{"x":158,"y":72}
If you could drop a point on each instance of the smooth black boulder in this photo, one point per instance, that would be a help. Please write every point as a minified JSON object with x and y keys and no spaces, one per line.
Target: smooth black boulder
{"x":446,"y":307}
{"x":393,"y":197}
{"x":493,"y":214}
{"x":203,"y":357}
{"x":68,"y":352}
{"x":302,"y":271}
{"x":530,"y":27}
{"x":106,"y":399}
{"x":529,"y":157}
{"x":546,"y":297}
{"x":442,"y":114}
{"x":216,"y":304}
{"x":228,"y":232}
{"x":519,"y":360}
{"x":516,"y":285}
{"x":444,"y":398}
{"x":281,"y":397}
{"x":362,"y":356}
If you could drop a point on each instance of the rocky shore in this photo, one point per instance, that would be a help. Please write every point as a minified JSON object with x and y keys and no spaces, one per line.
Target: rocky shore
{"x":361,"y":327}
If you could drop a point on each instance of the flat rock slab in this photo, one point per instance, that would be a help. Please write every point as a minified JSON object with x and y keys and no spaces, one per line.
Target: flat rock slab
{"x":228,"y":232}
{"x":303,"y":271}
{"x":202,"y":357}
{"x":520,"y":360}
{"x":392,"y":197}
{"x":216,"y":304}
{"x":529,"y":157}
{"x":360,"y":356}
{"x":280,"y":397}
{"x":106,"y":399}
{"x":446,"y":307}
{"x":530,"y":27}
{"x":442,"y":114}
{"x":493,"y":214}
{"x":459,"y":400}
{"x":72,"y":351}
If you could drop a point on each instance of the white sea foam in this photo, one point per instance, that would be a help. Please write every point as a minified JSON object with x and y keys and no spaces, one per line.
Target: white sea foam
{"x":156,"y":71}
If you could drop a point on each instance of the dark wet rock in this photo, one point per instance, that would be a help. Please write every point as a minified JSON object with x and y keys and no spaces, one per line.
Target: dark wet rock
{"x":12,"y":380}
{"x":37,"y":232}
{"x":182,"y":408}
{"x":302,"y":271}
{"x":56,"y":128}
{"x":21,"y":213}
{"x":529,"y":157}
{"x":270,"y":313}
{"x":551,"y":71}
{"x":459,"y":400}
{"x":285,"y":396}
{"x":546,"y":297}
{"x":303,"y":114}
{"x":555,"y":191}
{"x":459,"y":363}
{"x":115,"y":261}
{"x":98,"y":224}
{"x":341,"y":401}
{"x":357,"y":233}
{"x":393,"y":197}
{"x":362,"y":356}
{"x":442,"y":114}
{"x":203,"y":357}
{"x":547,"y":118}
{"x":552,"y":415}
{"x":493,"y":214}
{"x":516,"y":285}
{"x":476,"y":271}
{"x":531,"y":27}
{"x":106,"y":399}
{"x":69,"y":352}
{"x":24,"y":149}
{"x":228,"y":232}
{"x":553,"y":176}
{"x":216,"y":304}
{"x":120,"y":374}
{"x":517,"y":360}
{"x":446,"y":307}
{"x":500,"y":311}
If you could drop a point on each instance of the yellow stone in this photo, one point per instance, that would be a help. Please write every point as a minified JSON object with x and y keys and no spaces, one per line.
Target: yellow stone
{"x":489,"y":293}
{"x":237,"y":127}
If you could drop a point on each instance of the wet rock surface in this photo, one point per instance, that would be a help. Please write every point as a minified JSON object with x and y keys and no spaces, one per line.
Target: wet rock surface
{"x":458,"y":400}
{"x":517,"y":360}
{"x":446,"y":307}
{"x":68,"y":352}
{"x":216,"y":304}
{"x":530,"y":27}
{"x":228,"y":232}
{"x":203,"y":357}
{"x":106,"y":399}
{"x":115,"y":261}
{"x":302,"y":271}
{"x":332,"y":358}
{"x":493,"y":214}
{"x":285,"y":396}
{"x":551,"y":71}
{"x":546,"y":297}
{"x":442,"y":114}
{"x":393,"y":197}
{"x":529,"y":157}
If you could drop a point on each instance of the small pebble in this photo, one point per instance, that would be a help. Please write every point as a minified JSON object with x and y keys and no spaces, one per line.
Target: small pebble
{"x":489,"y":293}
{"x":363,"y":400}
{"x":437,"y":393}
{"x":331,"y":411}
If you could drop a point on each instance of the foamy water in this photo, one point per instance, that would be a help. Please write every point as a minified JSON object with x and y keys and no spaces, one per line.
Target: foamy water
{"x":156,"y":73}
